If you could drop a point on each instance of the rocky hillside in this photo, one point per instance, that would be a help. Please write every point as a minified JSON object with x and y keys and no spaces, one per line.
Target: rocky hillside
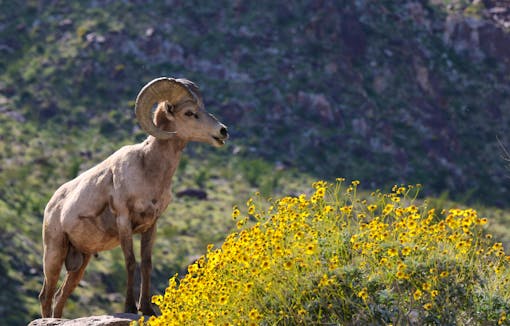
{"x":382,"y":91}
{"x":385,"y":91}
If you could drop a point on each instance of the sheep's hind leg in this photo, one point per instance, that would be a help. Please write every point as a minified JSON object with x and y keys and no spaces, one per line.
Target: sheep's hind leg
{"x":53,"y":260}
{"x":70,"y":282}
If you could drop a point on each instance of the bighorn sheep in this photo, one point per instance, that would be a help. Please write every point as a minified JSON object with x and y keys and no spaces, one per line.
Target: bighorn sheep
{"x":125,"y":194}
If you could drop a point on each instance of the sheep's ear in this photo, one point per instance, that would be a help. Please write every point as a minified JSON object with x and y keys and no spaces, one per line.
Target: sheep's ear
{"x":169,"y":110}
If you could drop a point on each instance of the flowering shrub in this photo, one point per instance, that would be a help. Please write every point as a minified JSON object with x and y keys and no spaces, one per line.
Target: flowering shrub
{"x":335,"y":258}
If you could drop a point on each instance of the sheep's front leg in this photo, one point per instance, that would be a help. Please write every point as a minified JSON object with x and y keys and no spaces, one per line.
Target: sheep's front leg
{"x":148,"y":238}
{"x":126,"y":243}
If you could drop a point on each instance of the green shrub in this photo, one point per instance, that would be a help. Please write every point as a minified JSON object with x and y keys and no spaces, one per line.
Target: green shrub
{"x":334,"y":258}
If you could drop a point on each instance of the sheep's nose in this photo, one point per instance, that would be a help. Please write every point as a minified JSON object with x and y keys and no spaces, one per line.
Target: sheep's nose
{"x":224,"y":132}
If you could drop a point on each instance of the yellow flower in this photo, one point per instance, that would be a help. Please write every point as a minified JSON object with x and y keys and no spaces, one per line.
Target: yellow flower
{"x":372,"y":207}
{"x":481,"y":221}
{"x":157,"y":299}
{"x":363,"y":294}
{"x":502,"y":318}
{"x":392,"y":252}
{"x":240,"y":223}
{"x":248,"y":286}
{"x":427,"y":306}
{"x":254,"y":314}
{"x":417,"y":294}
{"x":193,"y":268}
{"x":333,"y":263}
{"x":401,"y":275}
{"x":310,"y":249}
{"x":346,"y":209}
{"x":497,"y":246}
{"x":324,"y":281}
{"x":320,"y":192}
{"x":387,"y":209}
{"x":235,"y":212}
{"x":327,"y":209}
{"x":406,"y":251}
{"x":222,"y":300}
{"x":302,"y":312}
{"x":401,"y":190}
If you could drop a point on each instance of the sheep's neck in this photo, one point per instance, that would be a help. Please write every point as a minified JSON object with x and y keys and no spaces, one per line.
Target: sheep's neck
{"x":161,"y":157}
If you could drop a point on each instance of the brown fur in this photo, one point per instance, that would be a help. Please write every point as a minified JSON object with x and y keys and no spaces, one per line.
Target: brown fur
{"x":104,"y":206}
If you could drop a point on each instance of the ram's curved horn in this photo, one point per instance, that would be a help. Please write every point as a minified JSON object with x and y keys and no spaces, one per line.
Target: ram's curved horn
{"x":158,"y":90}
{"x":193,"y":89}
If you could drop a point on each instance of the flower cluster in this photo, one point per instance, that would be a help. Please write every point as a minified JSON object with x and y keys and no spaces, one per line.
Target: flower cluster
{"x":332,"y":257}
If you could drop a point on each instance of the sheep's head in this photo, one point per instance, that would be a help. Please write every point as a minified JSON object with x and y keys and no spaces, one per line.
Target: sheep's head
{"x":180,"y":112}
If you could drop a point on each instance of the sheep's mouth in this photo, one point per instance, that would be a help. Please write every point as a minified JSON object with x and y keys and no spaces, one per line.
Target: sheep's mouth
{"x":219,"y":140}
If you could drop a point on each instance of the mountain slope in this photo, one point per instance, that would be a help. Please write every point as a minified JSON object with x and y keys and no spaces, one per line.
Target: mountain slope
{"x":380,"y":90}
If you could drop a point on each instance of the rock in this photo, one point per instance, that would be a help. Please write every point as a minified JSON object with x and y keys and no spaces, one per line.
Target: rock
{"x":65,"y":23}
{"x":318,"y":103}
{"x":5,"y":110}
{"x":122,"y":319}
{"x":193,"y":193}
{"x":95,"y":38}
{"x":479,"y":38}
{"x":422,"y":76}
{"x":48,"y":322}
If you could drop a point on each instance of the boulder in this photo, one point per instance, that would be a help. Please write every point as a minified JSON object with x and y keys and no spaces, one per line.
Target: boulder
{"x":122,"y":319}
{"x":193,"y":193}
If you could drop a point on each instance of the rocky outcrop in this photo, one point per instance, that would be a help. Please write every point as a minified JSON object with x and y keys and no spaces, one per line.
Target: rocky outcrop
{"x":122,"y":319}
{"x":480,"y":31}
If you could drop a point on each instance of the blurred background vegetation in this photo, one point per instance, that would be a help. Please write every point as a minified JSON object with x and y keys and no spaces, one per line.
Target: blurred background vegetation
{"x":383,"y":91}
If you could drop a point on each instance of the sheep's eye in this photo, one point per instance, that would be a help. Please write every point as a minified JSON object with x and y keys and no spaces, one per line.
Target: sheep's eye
{"x":189,"y":113}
